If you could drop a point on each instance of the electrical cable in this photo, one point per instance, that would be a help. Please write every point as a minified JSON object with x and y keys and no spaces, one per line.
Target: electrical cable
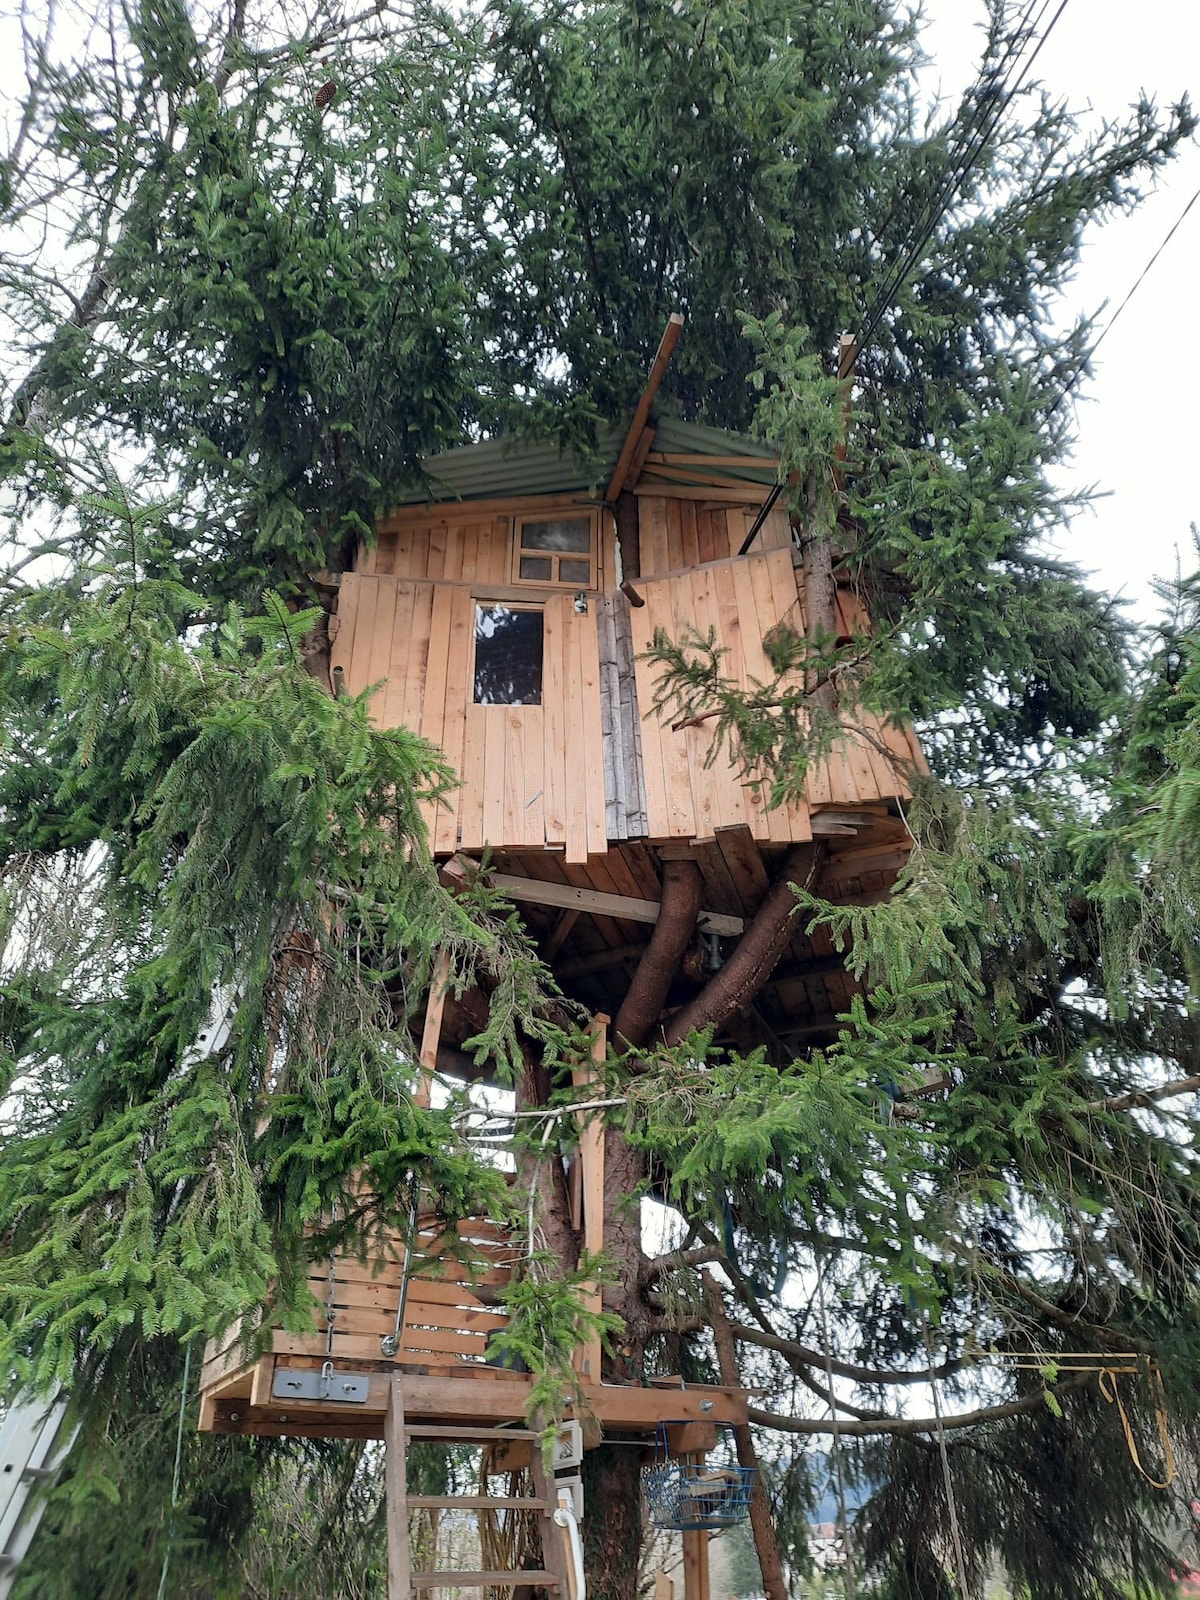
{"x":982,"y":123}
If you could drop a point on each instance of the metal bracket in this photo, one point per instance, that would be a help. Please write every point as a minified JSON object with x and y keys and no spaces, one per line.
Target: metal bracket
{"x":298,"y":1383}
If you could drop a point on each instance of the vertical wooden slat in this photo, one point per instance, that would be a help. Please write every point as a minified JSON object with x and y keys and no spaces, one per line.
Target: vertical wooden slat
{"x":493,"y":773}
{"x":470,"y":804}
{"x":453,"y":556}
{"x":630,"y":722}
{"x":435,"y":558}
{"x":689,"y":534}
{"x":576,"y":754}
{"x":652,"y":773}
{"x":432,"y":1033}
{"x":358,"y":671}
{"x":691,"y":610}
{"x":610,"y":720}
{"x":652,"y":529}
{"x":589,"y":704}
{"x":591,"y":1160}
{"x":396,"y":1489}
{"x":379,"y":663}
{"x":756,"y":667}
{"x":681,"y":817}
{"x":342,"y":650}
{"x":433,"y":708}
{"x":418,"y":655}
{"x":531,"y":820}
{"x":514,"y":775}
{"x":674,"y":535}
{"x":695,"y":1565}
{"x":734,"y":807}
{"x":458,"y":686}
{"x":554,"y":711}
{"x":402,"y":564}
{"x":768,"y":615}
{"x":392,"y":712}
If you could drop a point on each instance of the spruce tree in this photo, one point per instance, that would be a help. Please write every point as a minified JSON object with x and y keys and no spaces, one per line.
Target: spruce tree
{"x":294,"y":267}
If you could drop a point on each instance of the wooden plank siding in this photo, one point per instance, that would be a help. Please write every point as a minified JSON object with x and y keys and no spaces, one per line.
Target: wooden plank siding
{"x":744,"y":600}
{"x":592,"y":764}
{"x":531,"y":776}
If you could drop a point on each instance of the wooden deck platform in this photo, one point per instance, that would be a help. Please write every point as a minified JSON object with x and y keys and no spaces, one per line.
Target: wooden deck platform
{"x":244,"y":1404}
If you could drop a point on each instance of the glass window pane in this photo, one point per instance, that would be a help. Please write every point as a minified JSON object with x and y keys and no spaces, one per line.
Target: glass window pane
{"x":574,"y":571}
{"x":565,"y":533}
{"x":508,"y":656}
{"x":537,"y":567}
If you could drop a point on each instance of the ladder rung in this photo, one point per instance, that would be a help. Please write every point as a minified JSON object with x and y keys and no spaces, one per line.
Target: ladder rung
{"x":476,"y":1502}
{"x":424,"y":1430}
{"x":482,"y":1580}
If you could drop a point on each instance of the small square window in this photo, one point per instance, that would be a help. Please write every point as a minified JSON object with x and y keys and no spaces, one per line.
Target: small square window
{"x":555,"y":550}
{"x":508,"y":656}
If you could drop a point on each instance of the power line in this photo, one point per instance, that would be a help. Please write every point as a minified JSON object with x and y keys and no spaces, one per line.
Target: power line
{"x":1108,"y":326}
{"x":981,"y":125}
{"x":986,"y":115}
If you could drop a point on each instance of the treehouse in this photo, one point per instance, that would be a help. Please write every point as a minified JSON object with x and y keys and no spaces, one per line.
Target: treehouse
{"x":507,"y":617}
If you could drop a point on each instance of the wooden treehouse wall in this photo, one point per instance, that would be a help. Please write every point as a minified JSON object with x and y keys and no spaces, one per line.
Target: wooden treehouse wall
{"x":592,"y":763}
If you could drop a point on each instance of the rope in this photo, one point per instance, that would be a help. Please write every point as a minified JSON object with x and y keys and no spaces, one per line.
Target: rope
{"x":955,"y":1534}
{"x":178,"y":1473}
{"x":1110,"y":1389}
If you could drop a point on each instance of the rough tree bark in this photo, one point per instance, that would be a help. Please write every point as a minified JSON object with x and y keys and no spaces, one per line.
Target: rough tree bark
{"x":757,"y":954}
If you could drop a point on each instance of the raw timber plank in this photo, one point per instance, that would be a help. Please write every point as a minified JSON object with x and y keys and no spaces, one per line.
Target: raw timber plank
{"x":418,"y":656}
{"x":494,"y":739}
{"x":756,"y":671}
{"x":576,"y":840}
{"x":596,"y":832}
{"x":629,"y":722}
{"x":653,"y":771}
{"x":458,"y":687}
{"x":593,"y":901}
{"x":674,"y":521}
{"x":652,"y":529}
{"x":681,"y":817}
{"x":391,"y":713}
{"x":554,"y":711}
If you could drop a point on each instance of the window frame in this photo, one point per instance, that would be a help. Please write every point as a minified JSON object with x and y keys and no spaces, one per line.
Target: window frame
{"x":482,"y":603}
{"x":522,"y":520}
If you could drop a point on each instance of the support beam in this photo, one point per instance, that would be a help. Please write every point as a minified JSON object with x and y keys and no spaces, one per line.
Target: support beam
{"x":641,"y":416}
{"x":399,"y":1576}
{"x":761,"y":1524}
{"x":599,"y":904}
{"x":434,"y":1010}
{"x":695,"y":1565}
{"x":591,"y":1162}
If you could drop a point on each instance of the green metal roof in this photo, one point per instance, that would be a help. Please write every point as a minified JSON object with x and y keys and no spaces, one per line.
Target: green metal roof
{"x":500,"y":469}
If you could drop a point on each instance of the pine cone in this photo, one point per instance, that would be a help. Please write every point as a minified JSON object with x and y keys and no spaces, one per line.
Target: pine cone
{"x":324,"y":95}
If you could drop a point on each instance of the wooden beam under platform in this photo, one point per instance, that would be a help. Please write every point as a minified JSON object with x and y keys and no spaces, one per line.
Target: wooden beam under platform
{"x":623,"y":907}
{"x":484,"y":1397}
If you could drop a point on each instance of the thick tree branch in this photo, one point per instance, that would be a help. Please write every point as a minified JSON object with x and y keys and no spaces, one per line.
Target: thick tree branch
{"x":803,"y":1355}
{"x":903,"y":1426}
{"x":647,"y":994}
{"x":756,"y":956}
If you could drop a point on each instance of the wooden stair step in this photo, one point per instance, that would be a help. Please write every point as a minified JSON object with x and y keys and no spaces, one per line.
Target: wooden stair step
{"x":477,"y":1502}
{"x":426,"y":1430}
{"x":482,"y":1580}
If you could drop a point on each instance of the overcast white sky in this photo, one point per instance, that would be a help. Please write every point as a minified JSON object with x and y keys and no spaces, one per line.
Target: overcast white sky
{"x":1137,"y":419}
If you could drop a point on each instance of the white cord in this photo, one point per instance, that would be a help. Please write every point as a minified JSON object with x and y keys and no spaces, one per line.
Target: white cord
{"x":564,"y":1517}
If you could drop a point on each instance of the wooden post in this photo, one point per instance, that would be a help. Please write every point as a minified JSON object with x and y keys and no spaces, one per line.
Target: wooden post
{"x":695,"y":1565}
{"x":664,"y":1585}
{"x":438,"y":985}
{"x":396,"y":1487}
{"x":591,"y":1162}
{"x":556,"y":1550}
{"x":765,"y":1542}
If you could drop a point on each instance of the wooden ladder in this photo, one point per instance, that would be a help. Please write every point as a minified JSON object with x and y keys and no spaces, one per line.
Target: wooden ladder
{"x":403,"y":1582}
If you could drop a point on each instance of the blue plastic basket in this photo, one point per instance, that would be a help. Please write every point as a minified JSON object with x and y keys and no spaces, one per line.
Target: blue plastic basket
{"x":690,"y":1495}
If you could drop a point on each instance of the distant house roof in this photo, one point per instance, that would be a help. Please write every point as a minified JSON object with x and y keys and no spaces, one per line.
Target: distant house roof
{"x":680,"y":453}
